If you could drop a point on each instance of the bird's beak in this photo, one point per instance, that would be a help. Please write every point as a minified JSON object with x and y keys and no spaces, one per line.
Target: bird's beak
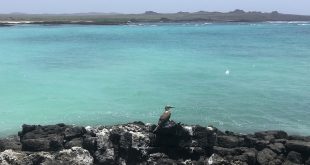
{"x":172,"y":107}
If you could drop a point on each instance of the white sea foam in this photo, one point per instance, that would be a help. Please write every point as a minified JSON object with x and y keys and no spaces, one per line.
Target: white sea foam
{"x":185,"y":24}
{"x":296,"y":22}
{"x":81,"y":21}
{"x":303,"y":24}
{"x":19,"y":22}
{"x":287,"y":22}
{"x":227,"y":72}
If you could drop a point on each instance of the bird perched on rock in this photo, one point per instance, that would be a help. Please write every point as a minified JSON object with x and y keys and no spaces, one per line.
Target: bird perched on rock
{"x":164,"y":117}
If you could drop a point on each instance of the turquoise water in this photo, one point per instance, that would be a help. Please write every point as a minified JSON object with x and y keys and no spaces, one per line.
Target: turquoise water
{"x":241,"y":77}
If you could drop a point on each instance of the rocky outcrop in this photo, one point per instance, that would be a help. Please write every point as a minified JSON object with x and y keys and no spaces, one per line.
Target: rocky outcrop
{"x":12,"y":142}
{"x":51,"y":137}
{"x":135,"y":143}
{"x":74,"y":156}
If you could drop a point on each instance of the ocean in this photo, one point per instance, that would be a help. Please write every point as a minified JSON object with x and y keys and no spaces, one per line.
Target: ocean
{"x":242,"y":77}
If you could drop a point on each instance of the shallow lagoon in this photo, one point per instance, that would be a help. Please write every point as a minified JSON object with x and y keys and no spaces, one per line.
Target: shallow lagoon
{"x":242,"y":77}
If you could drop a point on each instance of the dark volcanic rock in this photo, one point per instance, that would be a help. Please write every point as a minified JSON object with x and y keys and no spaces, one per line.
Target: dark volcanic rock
{"x":125,"y":143}
{"x":135,"y":143}
{"x":27,"y":128}
{"x":201,"y":136}
{"x":299,"y":146}
{"x":76,"y":142}
{"x":252,"y":142}
{"x":307,"y":161}
{"x":269,"y":135}
{"x":250,"y":156}
{"x":50,"y":137}
{"x":283,"y":141}
{"x":74,"y":132}
{"x":204,"y":137}
{"x":242,"y":154}
{"x":90,"y":143}
{"x":228,"y":141}
{"x":297,"y":137}
{"x":266,"y":156}
{"x":294,"y":157}
{"x":36,"y":145}
{"x":223,"y":151}
{"x":278,"y":148}
{"x":172,"y":135}
{"x":287,"y":162}
{"x":10,"y":143}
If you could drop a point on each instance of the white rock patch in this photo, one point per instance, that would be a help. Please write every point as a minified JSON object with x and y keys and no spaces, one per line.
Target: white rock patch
{"x":189,"y":129}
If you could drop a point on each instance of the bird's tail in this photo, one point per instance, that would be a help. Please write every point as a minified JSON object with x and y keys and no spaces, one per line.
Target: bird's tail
{"x":156,"y":129}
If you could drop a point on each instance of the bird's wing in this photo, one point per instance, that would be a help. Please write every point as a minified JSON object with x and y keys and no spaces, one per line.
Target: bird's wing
{"x":164,"y":118}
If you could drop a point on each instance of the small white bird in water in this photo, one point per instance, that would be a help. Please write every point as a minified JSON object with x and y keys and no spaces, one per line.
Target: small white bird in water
{"x":227,"y":72}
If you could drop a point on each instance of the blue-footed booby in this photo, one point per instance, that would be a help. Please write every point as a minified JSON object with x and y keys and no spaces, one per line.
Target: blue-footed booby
{"x":164,"y":117}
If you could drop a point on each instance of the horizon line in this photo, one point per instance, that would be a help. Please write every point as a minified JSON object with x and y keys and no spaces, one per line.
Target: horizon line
{"x":155,"y":12}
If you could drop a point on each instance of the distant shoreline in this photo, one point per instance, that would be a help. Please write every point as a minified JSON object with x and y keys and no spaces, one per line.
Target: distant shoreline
{"x":147,"y":17}
{"x":8,"y":24}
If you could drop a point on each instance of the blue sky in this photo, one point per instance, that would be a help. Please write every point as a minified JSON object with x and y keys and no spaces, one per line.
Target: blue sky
{"x":139,"y":6}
